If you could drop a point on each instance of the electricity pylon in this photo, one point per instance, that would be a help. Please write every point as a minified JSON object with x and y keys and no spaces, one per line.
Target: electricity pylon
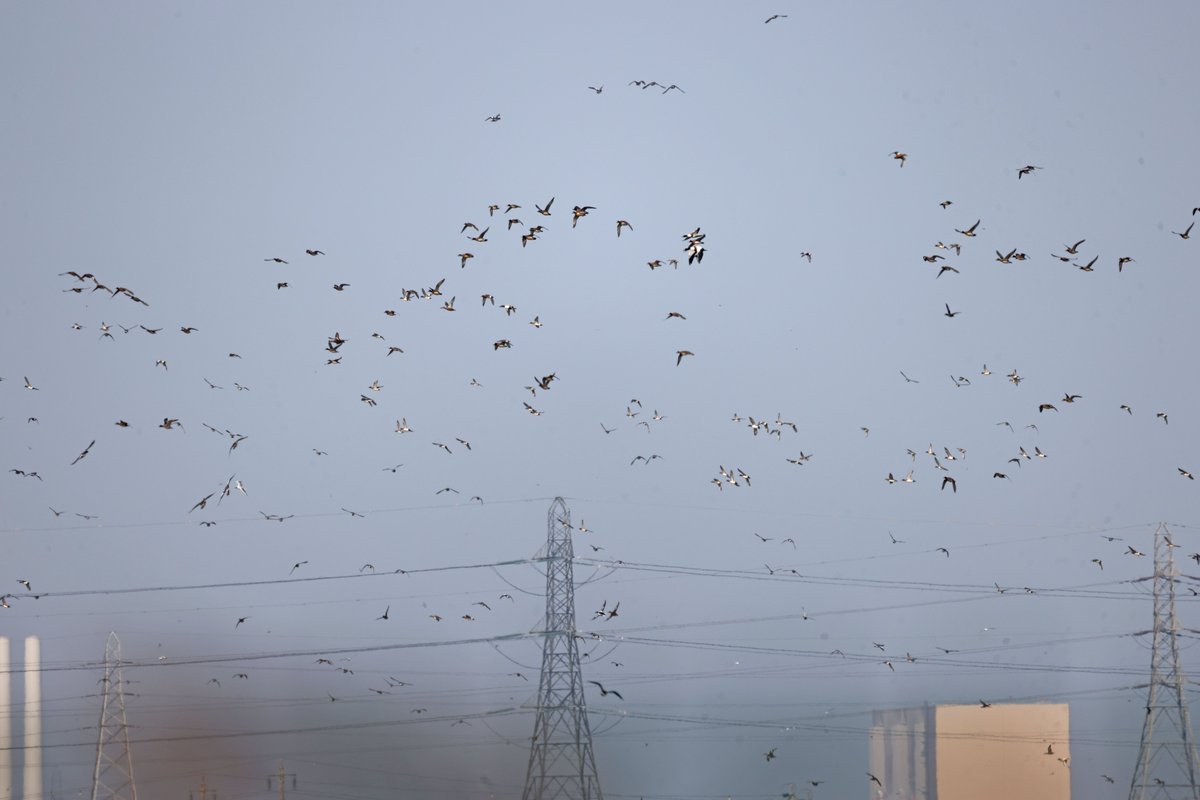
{"x":1166,"y":764}
{"x":282,"y":776}
{"x":561,"y":763}
{"x":113,"y":776}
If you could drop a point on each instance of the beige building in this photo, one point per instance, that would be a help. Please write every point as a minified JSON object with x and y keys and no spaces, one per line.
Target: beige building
{"x":969,"y":752}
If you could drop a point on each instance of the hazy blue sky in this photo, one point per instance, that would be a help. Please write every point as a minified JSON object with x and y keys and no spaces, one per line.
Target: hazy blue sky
{"x":173,"y":148}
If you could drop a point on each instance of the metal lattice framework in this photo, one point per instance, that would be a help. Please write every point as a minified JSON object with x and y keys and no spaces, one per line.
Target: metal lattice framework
{"x":1166,"y":765}
{"x":113,"y":776}
{"x":561,"y":763}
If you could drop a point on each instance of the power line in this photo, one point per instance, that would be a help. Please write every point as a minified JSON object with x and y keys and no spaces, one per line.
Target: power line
{"x":507,"y":637}
{"x":276,"y":581}
{"x":872,"y":583}
{"x":199,"y":737}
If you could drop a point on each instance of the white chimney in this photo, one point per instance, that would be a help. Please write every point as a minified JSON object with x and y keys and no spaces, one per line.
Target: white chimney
{"x":6,"y":776}
{"x":31,"y":775}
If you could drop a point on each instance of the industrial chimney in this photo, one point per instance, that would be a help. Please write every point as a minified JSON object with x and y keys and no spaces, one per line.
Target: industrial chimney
{"x":31,"y":775}
{"x":6,"y":776}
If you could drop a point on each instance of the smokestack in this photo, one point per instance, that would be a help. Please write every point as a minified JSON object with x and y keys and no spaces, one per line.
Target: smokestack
{"x":31,"y":777}
{"x":6,"y":777}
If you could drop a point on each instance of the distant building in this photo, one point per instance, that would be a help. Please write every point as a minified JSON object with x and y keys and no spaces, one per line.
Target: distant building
{"x":969,"y":752}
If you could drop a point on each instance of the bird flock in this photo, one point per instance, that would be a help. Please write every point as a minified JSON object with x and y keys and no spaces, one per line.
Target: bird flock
{"x":489,"y":241}
{"x":945,"y":461}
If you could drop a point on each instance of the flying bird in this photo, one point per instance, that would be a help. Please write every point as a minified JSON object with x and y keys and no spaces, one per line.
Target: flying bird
{"x":606,"y":692}
{"x":80,"y":457}
{"x":202,"y":502}
{"x":581,"y":211}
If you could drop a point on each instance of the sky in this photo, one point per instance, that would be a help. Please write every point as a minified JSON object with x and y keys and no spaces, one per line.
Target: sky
{"x":175,"y":150}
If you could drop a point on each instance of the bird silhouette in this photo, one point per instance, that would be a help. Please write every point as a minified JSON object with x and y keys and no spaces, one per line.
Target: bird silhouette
{"x":606,"y":692}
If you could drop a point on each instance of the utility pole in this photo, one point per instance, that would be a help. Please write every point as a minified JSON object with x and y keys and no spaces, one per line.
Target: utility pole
{"x":561,"y":763}
{"x":1166,"y":765}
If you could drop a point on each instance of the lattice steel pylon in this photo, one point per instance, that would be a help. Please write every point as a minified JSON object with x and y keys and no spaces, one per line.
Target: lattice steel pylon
{"x":561,"y":763}
{"x":1166,"y":764}
{"x":113,"y":776}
